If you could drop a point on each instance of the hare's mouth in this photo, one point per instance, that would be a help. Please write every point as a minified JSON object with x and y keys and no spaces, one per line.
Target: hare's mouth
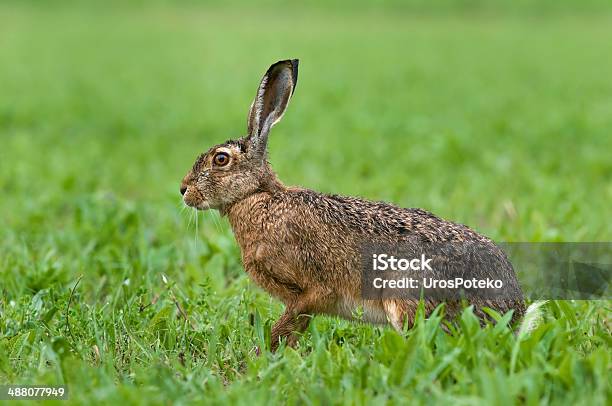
{"x":202,"y":206}
{"x":195,"y":199}
{"x":197,"y":205}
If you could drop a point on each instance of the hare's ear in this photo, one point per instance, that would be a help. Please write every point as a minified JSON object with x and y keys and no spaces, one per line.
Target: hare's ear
{"x":270,"y":103}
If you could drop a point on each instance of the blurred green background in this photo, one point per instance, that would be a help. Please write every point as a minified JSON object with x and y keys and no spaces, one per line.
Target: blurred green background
{"x":493,"y":114}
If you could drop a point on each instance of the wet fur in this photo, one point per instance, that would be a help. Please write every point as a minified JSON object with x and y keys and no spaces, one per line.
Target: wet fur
{"x":303,"y":247}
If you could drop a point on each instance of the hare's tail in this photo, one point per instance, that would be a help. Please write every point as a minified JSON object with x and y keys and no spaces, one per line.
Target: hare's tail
{"x":532,"y":318}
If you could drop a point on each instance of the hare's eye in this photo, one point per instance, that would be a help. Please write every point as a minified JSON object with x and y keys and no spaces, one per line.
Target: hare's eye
{"x":221,"y":159}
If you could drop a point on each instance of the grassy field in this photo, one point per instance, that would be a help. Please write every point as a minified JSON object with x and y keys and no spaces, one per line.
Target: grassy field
{"x":110,"y":286}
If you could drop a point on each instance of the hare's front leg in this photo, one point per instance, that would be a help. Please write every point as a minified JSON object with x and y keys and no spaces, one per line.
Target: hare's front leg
{"x":297,"y":315}
{"x":289,"y":326}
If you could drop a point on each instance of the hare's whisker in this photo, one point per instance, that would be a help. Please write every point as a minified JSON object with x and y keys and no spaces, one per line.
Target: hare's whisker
{"x":195,"y":241}
{"x":191,"y":214}
{"x":217,"y":223}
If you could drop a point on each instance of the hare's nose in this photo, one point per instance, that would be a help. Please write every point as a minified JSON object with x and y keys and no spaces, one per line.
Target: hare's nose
{"x":183,"y":189}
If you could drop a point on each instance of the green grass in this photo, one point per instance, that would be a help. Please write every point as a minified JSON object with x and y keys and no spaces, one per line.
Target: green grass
{"x":499,"y":122}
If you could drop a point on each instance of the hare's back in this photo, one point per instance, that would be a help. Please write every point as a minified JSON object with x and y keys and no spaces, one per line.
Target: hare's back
{"x":380,"y":220}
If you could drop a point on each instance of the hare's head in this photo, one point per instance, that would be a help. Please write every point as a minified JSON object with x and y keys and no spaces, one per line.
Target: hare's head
{"x":231,"y":171}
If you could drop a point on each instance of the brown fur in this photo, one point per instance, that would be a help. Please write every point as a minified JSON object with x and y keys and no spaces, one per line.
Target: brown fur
{"x":301,"y":246}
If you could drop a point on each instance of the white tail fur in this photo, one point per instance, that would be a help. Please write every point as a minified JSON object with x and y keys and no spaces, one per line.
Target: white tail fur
{"x":533,"y":317}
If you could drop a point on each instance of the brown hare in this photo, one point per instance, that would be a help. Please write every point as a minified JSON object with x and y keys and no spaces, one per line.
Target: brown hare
{"x":304,"y":247}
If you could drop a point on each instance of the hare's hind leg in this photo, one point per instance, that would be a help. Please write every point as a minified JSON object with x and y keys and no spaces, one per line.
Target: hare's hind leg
{"x":400,"y":312}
